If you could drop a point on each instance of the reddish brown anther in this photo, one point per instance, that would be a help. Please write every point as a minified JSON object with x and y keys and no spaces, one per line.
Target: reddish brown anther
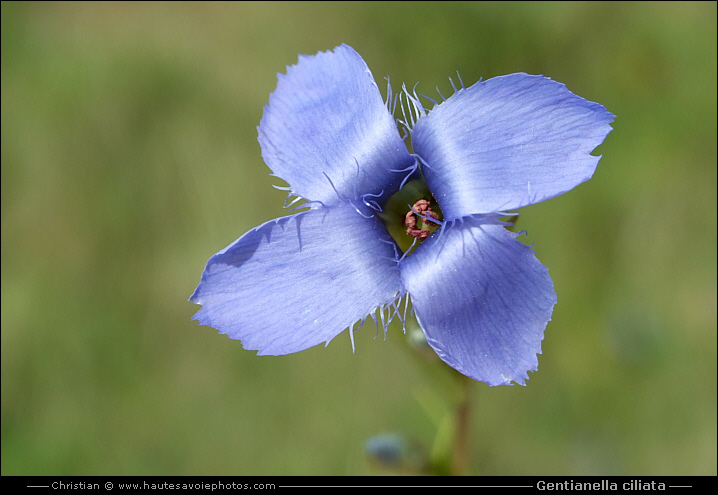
{"x":421,"y":207}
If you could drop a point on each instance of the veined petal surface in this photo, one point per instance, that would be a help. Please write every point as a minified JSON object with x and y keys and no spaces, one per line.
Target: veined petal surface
{"x":299,"y":281}
{"x":508,"y":142}
{"x":482,"y":299}
{"x":326,"y":121}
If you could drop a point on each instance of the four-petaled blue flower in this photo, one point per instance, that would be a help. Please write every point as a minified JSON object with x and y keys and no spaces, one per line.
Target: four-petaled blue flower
{"x":480,"y":296}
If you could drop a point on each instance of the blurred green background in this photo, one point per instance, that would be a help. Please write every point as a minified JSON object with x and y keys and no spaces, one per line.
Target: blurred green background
{"x":129,"y":156}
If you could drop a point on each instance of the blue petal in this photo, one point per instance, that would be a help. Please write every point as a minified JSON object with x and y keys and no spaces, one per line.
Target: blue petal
{"x":298,"y":281}
{"x":482,"y":299}
{"x":508,"y":142}
{"x":327,"y":132}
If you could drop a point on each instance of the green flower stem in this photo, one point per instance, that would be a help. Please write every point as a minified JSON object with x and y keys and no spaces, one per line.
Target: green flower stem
{"x":461,"y":450}
{"x":447,"y":399}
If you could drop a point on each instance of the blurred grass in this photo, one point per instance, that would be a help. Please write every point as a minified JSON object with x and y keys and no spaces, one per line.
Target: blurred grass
{"x":129,"y":156}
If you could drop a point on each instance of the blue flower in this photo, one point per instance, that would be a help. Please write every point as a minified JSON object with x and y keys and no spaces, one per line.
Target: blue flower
{"x":480,"y":296}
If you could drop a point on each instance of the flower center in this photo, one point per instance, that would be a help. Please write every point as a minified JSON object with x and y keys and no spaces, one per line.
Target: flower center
{"x":422,"y":210}
{"x":411,"y":215}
